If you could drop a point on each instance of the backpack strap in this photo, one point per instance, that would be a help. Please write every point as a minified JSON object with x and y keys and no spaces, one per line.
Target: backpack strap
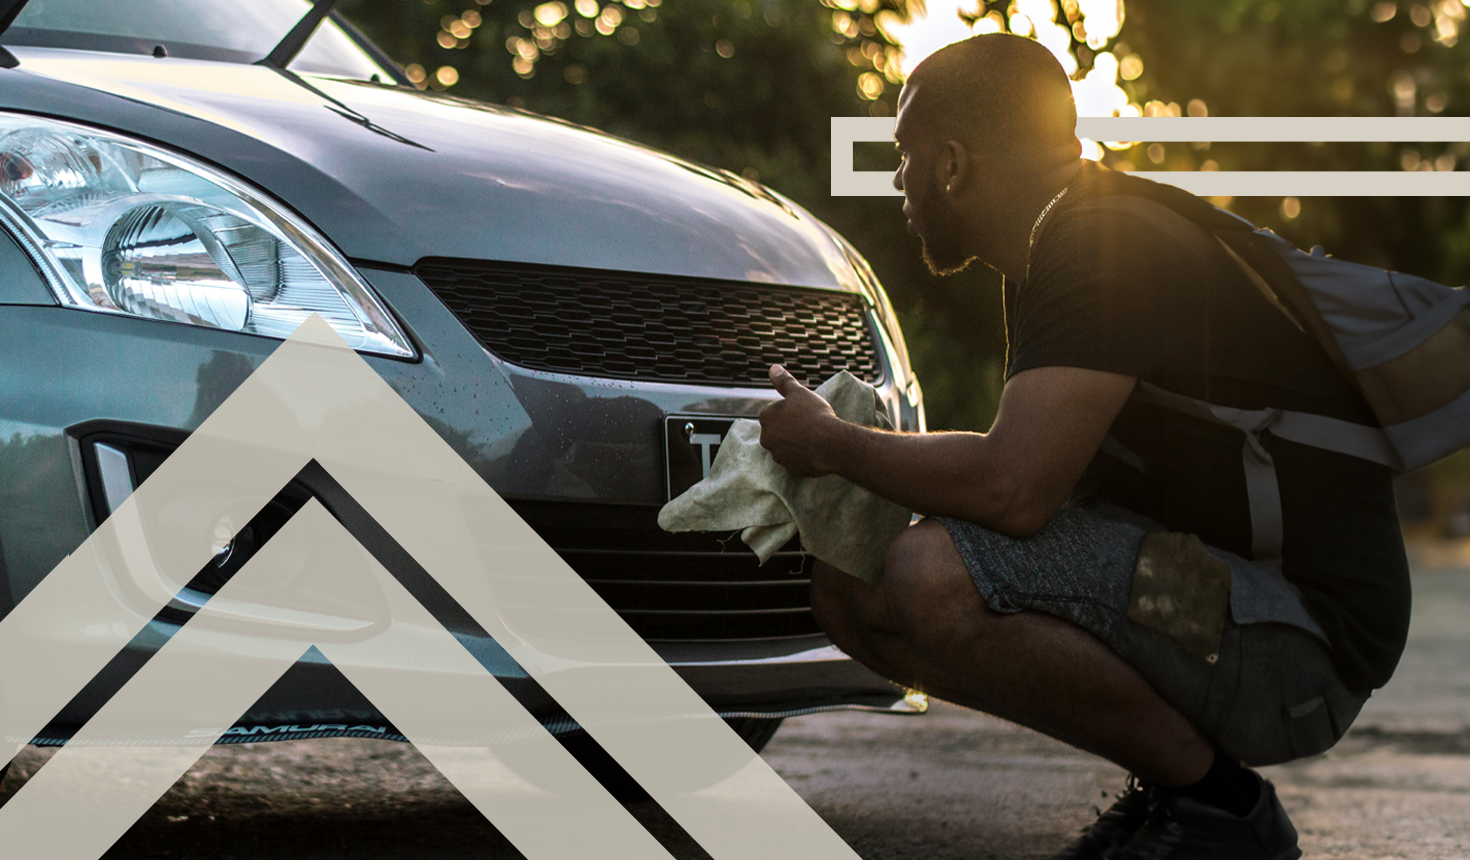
{"x":1163,"y":217}
{"x":1286,"y":294}
{"x":1265,"y":290}
{"x":1262,"y":488}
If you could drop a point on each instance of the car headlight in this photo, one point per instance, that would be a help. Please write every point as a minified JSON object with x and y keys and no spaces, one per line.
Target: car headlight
{"x":122,"y":226}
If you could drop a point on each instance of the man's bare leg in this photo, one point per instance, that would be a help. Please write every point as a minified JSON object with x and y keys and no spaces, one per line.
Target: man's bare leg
{"x":925,"y":625}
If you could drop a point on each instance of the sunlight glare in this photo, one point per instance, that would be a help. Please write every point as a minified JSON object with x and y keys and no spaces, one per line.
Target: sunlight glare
{"x":1104,"y":19}
{"x":1096,"y":94}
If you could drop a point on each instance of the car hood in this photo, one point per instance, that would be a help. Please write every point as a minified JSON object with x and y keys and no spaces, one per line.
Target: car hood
{"x":394,"y":175}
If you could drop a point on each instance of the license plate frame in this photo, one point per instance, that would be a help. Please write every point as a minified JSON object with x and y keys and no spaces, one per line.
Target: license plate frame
{"x":688,"y":450}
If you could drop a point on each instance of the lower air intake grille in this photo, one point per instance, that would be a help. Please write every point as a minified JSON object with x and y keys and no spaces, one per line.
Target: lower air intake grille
{"x":622,"y":325}
{"x":678,"y":587}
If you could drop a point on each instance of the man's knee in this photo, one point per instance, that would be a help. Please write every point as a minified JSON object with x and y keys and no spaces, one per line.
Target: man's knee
{"x":832,"y":595}
{"x":847,"y":607}
{"x":930,"y":597}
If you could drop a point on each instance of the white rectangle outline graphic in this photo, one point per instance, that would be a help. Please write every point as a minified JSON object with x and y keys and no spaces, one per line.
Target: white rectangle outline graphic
{"x":847,"y":130}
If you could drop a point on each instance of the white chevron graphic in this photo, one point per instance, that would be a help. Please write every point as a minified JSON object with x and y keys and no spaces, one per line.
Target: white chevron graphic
{"x":404,"y":661}
{"x":314,"y":398}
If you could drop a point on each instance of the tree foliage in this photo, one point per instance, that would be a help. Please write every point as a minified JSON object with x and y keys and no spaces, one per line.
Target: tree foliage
{"x":1320,"y":58}
{"x":746,"y":85}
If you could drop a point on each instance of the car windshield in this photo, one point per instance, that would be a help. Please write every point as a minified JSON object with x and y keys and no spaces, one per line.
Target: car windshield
{"x":228,"y":30}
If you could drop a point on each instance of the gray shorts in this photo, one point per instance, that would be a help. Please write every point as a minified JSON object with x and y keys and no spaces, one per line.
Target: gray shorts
{"x":1265,"y":692}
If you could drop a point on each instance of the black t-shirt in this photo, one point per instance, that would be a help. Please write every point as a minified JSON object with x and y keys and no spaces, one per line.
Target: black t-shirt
{"x":1158,"y":298}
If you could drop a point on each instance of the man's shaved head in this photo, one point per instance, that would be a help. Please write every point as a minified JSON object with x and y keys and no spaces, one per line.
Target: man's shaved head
{"x":987,"y":131}
{"x":999,"y":93}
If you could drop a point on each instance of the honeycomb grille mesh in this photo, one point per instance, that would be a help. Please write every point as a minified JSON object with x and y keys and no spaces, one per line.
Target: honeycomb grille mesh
{"x":623,"y":325}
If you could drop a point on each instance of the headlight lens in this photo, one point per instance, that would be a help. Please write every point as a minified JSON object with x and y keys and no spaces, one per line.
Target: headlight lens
{"x":122,"y":226}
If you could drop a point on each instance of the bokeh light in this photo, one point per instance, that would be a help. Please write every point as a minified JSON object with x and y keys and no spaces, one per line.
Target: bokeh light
{"x":550,"y":14}
{"x":1094,"y":22}
{"x":1130,"y":67}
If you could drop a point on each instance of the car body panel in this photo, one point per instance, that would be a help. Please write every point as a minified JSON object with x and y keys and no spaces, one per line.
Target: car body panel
{"x":20,"y":283}
{"x":435,"y":176}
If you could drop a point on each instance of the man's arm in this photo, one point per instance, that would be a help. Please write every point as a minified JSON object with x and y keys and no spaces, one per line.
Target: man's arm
{"x":1011,"y":479}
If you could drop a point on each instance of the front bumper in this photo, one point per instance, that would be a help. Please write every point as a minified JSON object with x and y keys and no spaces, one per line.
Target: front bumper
{"x":535,"y":436}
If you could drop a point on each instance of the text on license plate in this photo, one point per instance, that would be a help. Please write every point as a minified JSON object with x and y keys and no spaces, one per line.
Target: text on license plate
{"x":690,"y":444}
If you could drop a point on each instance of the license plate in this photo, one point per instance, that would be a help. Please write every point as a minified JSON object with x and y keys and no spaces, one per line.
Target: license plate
{"x":690,"y":445}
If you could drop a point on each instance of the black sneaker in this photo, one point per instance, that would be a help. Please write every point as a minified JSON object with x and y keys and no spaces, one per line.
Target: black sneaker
{"x":1181,"y":828}
{"x":1105,"y":839}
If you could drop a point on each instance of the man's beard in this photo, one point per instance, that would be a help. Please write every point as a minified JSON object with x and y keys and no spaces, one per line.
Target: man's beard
{"x":943,"y":252}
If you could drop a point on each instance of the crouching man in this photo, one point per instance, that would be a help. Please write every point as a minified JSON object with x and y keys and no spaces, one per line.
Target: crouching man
{"x":1128,"y":561}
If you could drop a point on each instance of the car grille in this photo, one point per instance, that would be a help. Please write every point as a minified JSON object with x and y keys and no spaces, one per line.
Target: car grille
{"x":678,"y":587}
{"x":624,"y":325}
{"x":686,"y":587}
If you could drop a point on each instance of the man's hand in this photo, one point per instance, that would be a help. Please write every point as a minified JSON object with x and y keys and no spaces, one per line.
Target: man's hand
{"x":1011,"y":479}
{"x":801,"y":431}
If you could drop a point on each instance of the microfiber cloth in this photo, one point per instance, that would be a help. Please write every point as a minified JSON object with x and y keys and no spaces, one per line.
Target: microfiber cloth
{"x":839,"y":522}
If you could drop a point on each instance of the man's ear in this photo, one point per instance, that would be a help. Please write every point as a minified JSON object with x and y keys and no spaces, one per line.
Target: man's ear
{"x":954,"y":166}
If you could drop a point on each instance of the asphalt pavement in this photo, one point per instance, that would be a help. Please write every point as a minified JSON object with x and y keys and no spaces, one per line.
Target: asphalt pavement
{"x":951,"y":784}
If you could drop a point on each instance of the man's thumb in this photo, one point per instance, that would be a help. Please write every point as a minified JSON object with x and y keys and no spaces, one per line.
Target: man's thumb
{"x":783,"y":380}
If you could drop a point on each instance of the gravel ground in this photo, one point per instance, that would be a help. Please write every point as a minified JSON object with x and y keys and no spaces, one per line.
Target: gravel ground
{"x":949,"y":785}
